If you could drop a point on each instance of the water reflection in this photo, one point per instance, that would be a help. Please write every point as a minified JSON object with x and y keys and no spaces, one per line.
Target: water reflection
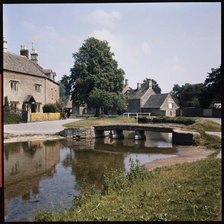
{"x":40,"y":174}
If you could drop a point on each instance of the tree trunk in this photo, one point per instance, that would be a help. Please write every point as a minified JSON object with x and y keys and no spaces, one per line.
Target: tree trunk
{"x":97,"y":114}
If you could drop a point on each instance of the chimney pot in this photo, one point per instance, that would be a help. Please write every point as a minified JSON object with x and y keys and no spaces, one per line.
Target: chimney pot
{"x":150,"y":84}
{"x":24,"y":51}
{"x":34,"y":56}
{"x":126,"y":82}
{"x":4,"y":45}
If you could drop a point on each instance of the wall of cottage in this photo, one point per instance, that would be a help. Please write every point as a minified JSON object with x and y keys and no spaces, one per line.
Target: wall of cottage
{"x":49,"y":91}
{"x":154,"y":111}
{"x":25,"y":87}
{"x":52,"y":92}
{"x":170,"y":112}
{"x":134,"y":106}
{"x":146,"y":96}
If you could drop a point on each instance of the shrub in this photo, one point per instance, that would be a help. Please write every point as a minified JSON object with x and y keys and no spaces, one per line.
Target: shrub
{"x":177,"y":120}
{"x":11,"y":118}
{"x":50,"y":108}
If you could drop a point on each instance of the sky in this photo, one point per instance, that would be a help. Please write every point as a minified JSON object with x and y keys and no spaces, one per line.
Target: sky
{"x":172,"y":43}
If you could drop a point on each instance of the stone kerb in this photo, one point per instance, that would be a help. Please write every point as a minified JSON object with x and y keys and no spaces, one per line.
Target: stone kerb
{"x":181,"y":137}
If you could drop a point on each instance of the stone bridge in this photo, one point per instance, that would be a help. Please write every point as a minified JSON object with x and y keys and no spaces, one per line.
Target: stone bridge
{"x":115,"y":131}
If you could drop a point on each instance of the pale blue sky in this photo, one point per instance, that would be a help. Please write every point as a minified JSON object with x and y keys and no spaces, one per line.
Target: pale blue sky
{"x":173,"y":43}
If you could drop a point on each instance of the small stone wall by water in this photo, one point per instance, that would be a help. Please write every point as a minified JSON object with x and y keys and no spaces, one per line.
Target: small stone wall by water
{"x":84,"y":133}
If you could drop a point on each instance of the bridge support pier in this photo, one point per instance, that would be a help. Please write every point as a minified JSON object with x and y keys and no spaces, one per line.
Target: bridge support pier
{"x":117,"y":134}
{"x":140,"y":135}
{"x":99,"y":134}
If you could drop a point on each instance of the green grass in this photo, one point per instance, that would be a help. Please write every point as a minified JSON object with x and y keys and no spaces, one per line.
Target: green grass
{"x":209,"y":141}
{"x":91,"y":121}
{"x":184,"y":192}
{"x":204,"y":125}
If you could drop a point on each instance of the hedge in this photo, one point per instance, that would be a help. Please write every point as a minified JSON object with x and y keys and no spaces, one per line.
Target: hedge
{"x":176,"y":120}
{"x":11,"y":118}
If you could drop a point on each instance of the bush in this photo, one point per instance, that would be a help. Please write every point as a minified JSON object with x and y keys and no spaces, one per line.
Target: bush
{"x":50,"y":108}
{"x":11,"y":118}
{"x":176,"y":120}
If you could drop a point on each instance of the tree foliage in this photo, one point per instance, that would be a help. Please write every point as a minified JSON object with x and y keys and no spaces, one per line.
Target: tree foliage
{"x":188,"y":95}
{"x":50,"y":108}
{"x":95,"y":75}
{"x":64,"y":87}
{"x":155,"y":85}
{"x":212,"y":85}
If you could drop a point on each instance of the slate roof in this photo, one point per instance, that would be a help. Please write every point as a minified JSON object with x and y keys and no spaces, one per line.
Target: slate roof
{"x":155,"y":101}
{"x":21,"y":64}
{"x":138,"y":93}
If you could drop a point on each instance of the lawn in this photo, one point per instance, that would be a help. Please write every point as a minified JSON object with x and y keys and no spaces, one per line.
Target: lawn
{"x":91,"y":121}
{"x":183,"y":192}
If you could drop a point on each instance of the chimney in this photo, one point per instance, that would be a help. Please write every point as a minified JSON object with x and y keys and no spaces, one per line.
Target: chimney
{"x":138,"y":85}
{"x":24,"y":51}
{"x":150,"y":84}
{"x":126,"y":82}
{"x":34,"y":56}
{"x":4,"y":45}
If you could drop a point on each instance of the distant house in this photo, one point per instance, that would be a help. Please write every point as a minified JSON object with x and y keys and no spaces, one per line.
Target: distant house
{"x":142,"y":99}
{"x":26,"y":82}
{"x":145,"y":100}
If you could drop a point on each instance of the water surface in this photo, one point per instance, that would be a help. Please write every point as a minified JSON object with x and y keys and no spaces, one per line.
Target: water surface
{"x":45,"y":175}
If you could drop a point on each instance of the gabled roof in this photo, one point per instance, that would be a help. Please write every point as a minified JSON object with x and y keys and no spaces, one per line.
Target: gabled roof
{"x":155,"y":101}
{"x":138,"y":93}
{"x":21,"y":64}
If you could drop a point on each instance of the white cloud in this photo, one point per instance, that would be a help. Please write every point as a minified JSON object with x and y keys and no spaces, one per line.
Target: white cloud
{"x":102,"y":17}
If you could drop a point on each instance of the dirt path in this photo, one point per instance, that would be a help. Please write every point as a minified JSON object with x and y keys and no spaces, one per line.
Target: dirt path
{"x":184,"y":154}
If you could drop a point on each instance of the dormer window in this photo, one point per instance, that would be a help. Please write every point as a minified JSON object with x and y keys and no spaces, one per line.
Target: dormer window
{"x":37,"y":88}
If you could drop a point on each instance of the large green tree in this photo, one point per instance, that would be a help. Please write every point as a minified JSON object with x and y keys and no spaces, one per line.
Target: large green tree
{"x":212,"y":85}
{"x":95,"y":75}
{"x":188,"y":95}
{"x":64,"y":87}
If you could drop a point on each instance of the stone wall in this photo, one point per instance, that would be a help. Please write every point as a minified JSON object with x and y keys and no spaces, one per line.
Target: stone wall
{"x":49,"y":90}
{"x":170,"y":112}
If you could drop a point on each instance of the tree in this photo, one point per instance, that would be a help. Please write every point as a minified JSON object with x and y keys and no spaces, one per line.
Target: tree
{"x":188,"y":95}
{"x":212,"y":85}
{"x":6,"y":105}
{"x":155,"y":85}
{"x":64,"y":87}
{"x":95,"y":75}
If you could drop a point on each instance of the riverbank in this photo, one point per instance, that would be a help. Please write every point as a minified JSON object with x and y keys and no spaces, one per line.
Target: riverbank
{"x":182,"y":192}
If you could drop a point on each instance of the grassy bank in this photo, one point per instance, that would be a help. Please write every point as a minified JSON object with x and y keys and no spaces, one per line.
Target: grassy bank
{"x":201,"y":126}
{"x":184,"y":192}
{"x":91,"y":121}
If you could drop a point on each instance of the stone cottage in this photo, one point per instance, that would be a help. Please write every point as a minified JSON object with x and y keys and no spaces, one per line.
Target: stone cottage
{"x":143,"y":99}
{"x":26,"y":82}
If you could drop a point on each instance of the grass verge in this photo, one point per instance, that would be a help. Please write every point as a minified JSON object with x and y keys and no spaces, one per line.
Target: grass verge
{"x":184,"y":192}
{"x":209,"y":141}
{"x":91,"y":121}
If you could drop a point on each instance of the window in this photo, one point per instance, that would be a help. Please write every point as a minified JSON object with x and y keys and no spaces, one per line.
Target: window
{"x":37,"y":87}
{"x":170,"y":105}
{"x":13,"y":106}
{"x":13,"y":85}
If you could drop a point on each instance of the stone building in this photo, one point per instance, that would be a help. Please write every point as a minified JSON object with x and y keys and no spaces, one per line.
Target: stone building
{"x":26,"y":83}
{"x":144,"y":100}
